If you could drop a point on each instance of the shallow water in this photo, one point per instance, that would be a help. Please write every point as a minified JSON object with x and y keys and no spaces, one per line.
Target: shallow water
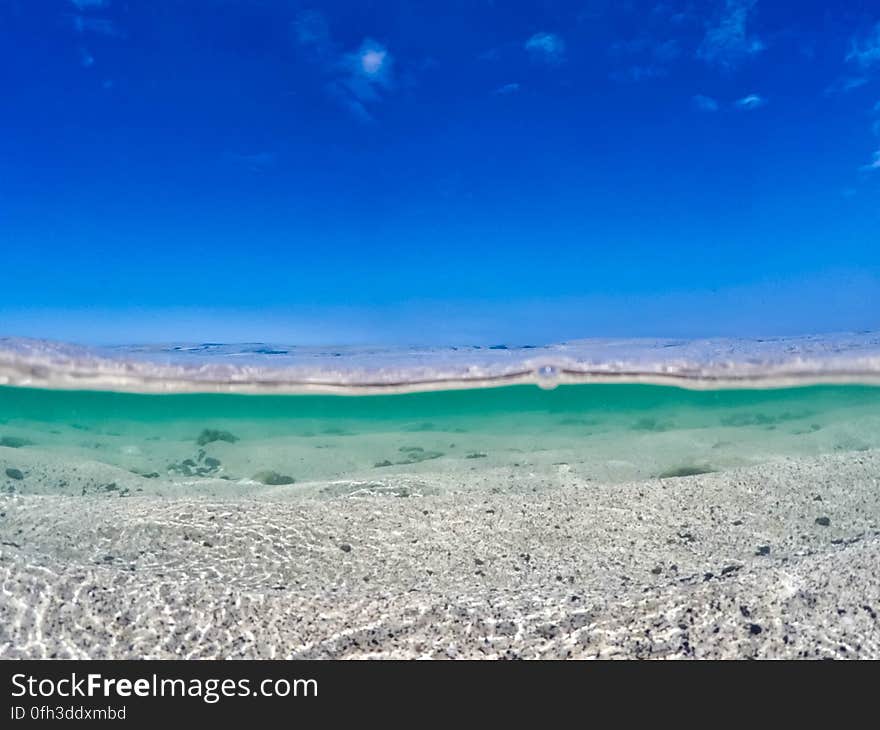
{"x":221,"y":418}
{"x":605,"y":432}
{"x":414,"y":511}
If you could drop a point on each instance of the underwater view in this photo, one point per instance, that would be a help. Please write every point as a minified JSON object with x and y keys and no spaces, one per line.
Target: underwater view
{"x":407,"y":516}
{"x":484,"y":329}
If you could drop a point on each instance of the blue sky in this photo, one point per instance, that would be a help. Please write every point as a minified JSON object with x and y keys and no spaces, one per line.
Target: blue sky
{"x":424,"y":172}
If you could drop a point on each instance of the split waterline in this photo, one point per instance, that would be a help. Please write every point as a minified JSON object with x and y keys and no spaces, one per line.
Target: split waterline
{"x":587,"y":519}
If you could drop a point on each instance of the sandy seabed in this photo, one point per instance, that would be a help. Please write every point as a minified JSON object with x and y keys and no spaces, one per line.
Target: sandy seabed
{"x":776,"y":560}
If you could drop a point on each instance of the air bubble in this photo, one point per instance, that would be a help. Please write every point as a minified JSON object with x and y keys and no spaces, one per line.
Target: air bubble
{"x":548,"y":377}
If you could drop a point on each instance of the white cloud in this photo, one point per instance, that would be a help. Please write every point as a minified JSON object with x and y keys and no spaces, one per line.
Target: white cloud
{"x":705,"y":103}
{"x":507,"y":89}
{"x":752,"y":101}
{"x":728,"y":43}
{"x":546,"y":47}
{"x":371,"y":62}
{"x":866,"y":51}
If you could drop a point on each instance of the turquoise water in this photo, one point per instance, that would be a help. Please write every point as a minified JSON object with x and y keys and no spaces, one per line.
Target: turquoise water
{"x":130,"y":522}
{"x":610,"y":403}
{"x":609,"y":431}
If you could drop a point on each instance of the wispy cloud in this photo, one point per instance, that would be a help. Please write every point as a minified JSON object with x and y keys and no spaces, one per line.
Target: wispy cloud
{"x":866,"y":51}
{"x":846,"y":83}
{"x":90,"y":24}
{"x":666,"y":51}
{"x":875,"y":165}
{"x":310,"y":29}
{"x":705,"y":103}
{"x":875,"y":128}
{"x":727,"y":42}
{"x":99,"y":26}
{"x":546,"y":47}
{"x":651,"y":57}
{"x":86,"y":58}
{"x":750,"y":102}
{"x":507,"y":89}
{"x":89,"y":4}
{"x":364,"y":74}
{"x":357,"y":79}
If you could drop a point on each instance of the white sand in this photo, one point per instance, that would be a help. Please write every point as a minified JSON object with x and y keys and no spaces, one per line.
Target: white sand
{"x":537,"y":560}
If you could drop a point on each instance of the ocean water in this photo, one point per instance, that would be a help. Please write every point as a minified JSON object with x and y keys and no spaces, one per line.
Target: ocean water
{"x":611,"y":498}
{"x":608,"y":412}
